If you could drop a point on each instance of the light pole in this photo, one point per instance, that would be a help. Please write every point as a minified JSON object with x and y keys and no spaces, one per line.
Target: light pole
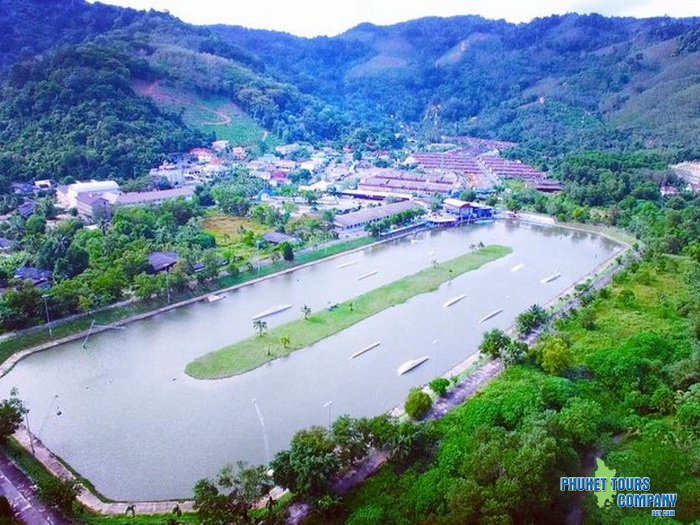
{"x":264,"y":430}
{"x":435,"y":342}
{"x":167,"y":284}
{"x":29,"y":432}
{"x":328,"y":405}
{"x":48,"y":319}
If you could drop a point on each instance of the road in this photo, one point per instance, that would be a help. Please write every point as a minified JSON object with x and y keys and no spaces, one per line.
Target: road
{"x":18,"y":489}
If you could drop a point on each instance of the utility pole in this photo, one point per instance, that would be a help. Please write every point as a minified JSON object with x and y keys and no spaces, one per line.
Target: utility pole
{"x":262,"y":424}
{"x":48,"y":318}
{"x":29,"y":432}
{"x":328,"y":404}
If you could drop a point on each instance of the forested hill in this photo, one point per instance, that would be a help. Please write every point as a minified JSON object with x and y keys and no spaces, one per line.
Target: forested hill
{"x":567,"y":80}
{"x":72,"y":101}
{"x":77,"y":78}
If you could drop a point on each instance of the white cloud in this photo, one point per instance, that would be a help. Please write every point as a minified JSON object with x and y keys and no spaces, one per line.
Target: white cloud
{"x":317,"y":17}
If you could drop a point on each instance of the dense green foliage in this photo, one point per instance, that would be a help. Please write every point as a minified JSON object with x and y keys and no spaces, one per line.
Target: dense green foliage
{"x":232,"y":496}
{"x":316,"y":455}
{"x":73,"y":113}
{"x":12,"y":411}
{"x":417,"y":403}
{"x":501,"y":454}
{"x":60,"y":493}
{"x":556,"y":82}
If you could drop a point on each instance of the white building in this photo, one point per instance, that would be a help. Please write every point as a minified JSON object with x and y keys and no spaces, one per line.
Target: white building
{"x":68,"y":195}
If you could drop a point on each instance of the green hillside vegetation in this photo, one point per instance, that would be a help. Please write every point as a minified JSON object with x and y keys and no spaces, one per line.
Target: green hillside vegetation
{"x":73,"y":113}
{"x":212,"y":115}
{"x":567,"y":80}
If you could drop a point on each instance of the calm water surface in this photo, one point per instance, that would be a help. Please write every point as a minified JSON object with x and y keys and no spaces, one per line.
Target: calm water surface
{"x":136,"y":426}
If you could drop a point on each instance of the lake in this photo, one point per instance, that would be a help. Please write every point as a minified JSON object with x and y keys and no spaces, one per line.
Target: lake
{"x":138,"y":428}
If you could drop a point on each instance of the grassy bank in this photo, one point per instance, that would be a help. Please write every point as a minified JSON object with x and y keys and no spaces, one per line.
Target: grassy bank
{"x":253,"y":352}
{"x":30,"y":338}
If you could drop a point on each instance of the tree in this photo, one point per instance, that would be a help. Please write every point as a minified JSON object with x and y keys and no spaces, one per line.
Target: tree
{"x":556,"y":355}
{"x":35,"y":225}
{"x":439,"y":385}
{"x":7,"y":514}
{"x":494,"y":342}
{"x":231,"y":497}
{"x":514,"y":352}
{"x":581,"y":419}
{"x":417,"y":403}
{"x":60,"y":492}
{"x":351,"y":444}
{"x":531,"y":319}
{"x":307,"y":466}
{"x":12,"y":410}
{"x":285,"y":341}
{"x":287,"y":251}
{"x":305,"y":311}
{"x":260,"y":326}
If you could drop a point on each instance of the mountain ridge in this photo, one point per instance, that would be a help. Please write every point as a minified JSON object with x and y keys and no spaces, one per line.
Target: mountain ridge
{"x":554,"y":84}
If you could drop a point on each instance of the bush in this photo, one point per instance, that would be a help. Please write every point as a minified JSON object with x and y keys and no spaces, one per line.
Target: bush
{"x":287,"y":252}
{"x":531,"y":319}
{"x":439,"y":386}
{"x":587,"y":318}
{"x":417,"y":403}
{"x":60,"y":492}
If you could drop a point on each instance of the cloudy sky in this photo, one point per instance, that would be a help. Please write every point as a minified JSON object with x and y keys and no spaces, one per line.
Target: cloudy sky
{"x":329,"y":17}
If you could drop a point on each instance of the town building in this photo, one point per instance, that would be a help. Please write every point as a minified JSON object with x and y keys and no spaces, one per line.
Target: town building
{"x":467,"y":211}
{"x":39,"y":278}
{"x":359,"y":219}
{"x":161,"y":261}
{"x":97,"y":206}
{"x":68,"y":195}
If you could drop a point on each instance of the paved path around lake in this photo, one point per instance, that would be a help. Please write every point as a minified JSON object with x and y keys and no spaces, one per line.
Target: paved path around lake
{"x":35,"y":447}
{"x":21,"y":494}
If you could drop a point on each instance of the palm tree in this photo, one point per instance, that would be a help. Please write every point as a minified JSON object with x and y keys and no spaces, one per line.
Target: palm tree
{"x":305,"y":311}
{"x":260,"y":326}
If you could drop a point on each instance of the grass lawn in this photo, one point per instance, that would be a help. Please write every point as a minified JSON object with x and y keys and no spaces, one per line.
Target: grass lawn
{"x":253,"y":352}
{"x":228,"y":232}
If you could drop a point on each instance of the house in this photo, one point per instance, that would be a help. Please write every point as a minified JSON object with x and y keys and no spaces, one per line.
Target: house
{"x":279,"y":177}
{"x":467,"y":211}
{"x":22,"y":188}
{"x":39,"y":278}
{"x":94,"y":206}
{"x":203,"y":155}
{"x":220,"y":145}
{"x":45,"y":184}
{"x":162,"y":261}
{"x":6,"y":245}
{"x":27,"y":209}
{"x":458,"y":208}
{"x":279,"y":238}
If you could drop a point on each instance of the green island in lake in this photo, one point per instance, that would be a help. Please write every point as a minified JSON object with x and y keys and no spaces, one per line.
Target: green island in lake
{"x":280,"y":341}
